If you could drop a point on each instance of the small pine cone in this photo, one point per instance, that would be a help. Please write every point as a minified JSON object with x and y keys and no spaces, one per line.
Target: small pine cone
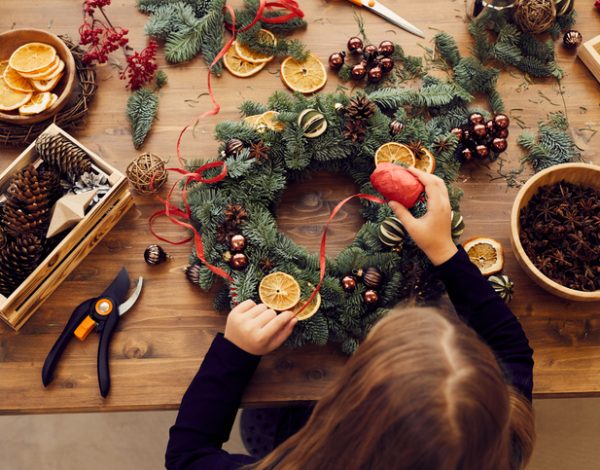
{"x":235,"y":213}
{"x":18,"y":259}
{"x":30,"y":197}
{"x":60,"y":153}
{"x":355,"y":131}
{"x":360,"y":108}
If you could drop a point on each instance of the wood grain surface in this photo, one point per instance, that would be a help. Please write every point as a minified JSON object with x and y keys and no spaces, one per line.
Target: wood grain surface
{"x":160,"y":344}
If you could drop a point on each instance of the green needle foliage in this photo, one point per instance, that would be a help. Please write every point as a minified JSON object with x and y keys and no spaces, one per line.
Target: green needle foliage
{"x":142,"y":106}
{"x":192,"y":27}
{"x":552,"y":145}
{"x":498,"y":38}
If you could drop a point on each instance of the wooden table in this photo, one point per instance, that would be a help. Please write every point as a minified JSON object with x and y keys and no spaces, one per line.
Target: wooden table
{"x":160,"y":344}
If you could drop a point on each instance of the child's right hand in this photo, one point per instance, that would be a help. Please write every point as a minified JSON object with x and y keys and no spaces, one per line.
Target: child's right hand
{"x":432,"y":232}
{"x":257,"y":329}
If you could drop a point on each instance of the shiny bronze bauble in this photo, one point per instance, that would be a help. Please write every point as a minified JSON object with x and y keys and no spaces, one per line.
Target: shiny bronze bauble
{"x":370,"y":297}
{"x":239,"y":261}
{"x":386,"y":48}
{"x":480,"y":131}
{"x":358,"y":72}
{"x":476,"y":118}
{"x":349,"y":283}
{"x":386,"y":64}
{"x":482,"y":151}
{"x":355,"y":45}
{"x":370,"y":52}
{"x":502,"y":133}
{"x":466,"y":154}
{"x":372,"y":277}
{"x":458,"y":132}
{"x":499,"y":144}
{"x":336,"y":60}
{"x":502,"y":121}
{"x":375,"y":74}
{"x":237,"y":242}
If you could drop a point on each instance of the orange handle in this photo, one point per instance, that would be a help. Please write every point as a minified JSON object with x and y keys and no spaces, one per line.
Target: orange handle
{"x":84,"y":329}
{"x":358,"y":3}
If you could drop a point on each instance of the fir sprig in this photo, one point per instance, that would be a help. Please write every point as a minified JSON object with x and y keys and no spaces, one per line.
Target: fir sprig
{"x":142,"y":107}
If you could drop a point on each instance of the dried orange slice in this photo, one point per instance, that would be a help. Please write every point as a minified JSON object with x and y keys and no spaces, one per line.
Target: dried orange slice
{"x":310,"y":309}
{"x":279,"y":291}
{"x":39,"y":102}
{"x":11,"y":99}
{"x":424,"y":160}
{"x":3,"y":66}
{"x":264,"y":121}
{"x":238,"y":66}
{"x":32,"y":57}
{"x":16,"y":81}
{"x":485,"y":253}
{"x":46,"y":85}
{"x":305,"y":77}
{"x":393,"y":152}
{"x":47,"y":74}
{"x":245,"y":53}
{"x":53,"y":99}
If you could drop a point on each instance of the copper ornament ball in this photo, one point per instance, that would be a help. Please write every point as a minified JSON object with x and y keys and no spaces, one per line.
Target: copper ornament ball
{"x":349,"y":283}
{"x":358,"y":72}
{"x":386,"y":48}
{"x":237,"y":242}
{"x":355,"y":45}
{"x":502,"y":133}
{"x":239,"y":261}
{"x":372,"y":277}
{"x":502,"y":121}
{"x":480,"y":131}
{"x":499,"y":144}
{"x":458,"y":132}
{"x":370,"y":297}
{"x":491,"y":127}
{"x":370,"y":52}
{"x":476,"y":118}
{"x":482,"y":151}
{"x":336,"y":60}
{"x":467,"y":154}
{"x":386,"y":64}
{"x":375,"y":74}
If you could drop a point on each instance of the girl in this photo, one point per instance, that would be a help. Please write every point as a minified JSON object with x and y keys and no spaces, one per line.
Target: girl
{"x":425,"y":390}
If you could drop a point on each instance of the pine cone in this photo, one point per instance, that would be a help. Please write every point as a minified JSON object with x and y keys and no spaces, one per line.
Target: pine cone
{"x":61,"y":154}
{"x":18,"y":259}
{"x":355,"y":131}
{"x":235,"y":213}
{"x":30,"y":197}
{"x":360,"y":108}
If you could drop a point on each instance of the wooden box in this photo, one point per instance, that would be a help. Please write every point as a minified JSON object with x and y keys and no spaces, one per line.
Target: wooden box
{"x":73,"y":248}
{"x":589,"y":53}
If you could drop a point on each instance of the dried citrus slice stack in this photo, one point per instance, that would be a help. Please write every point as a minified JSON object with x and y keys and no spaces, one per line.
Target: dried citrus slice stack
{"x":393,"y":152}
{"x":307,"y":76}
{"x":486,"y":254}
{"x":310,"y":310}
{"x":264,"y":37}
{"x":279,"y":291}
{"x":424,"y":160}
{"x":32,"y":57}
{"x":11,"y":99}
{"x":16,"y":81}
{"x":238,"y":66}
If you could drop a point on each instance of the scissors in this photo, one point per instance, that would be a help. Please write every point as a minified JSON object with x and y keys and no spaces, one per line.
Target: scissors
{"x":389,"y":15}
{"x":102,"y":314}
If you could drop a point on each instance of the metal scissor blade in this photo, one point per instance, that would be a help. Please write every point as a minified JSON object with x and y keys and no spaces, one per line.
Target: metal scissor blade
{"x":392,"y":17}
{"x":126,"y":306}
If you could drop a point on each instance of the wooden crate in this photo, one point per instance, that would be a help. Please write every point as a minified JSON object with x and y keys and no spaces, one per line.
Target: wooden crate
{"x":82,"y":238}
{"x":589,"y":53}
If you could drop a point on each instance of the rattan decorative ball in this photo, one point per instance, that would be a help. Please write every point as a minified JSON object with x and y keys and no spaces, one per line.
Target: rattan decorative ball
{"x":147,"y":173}
{"x":535,"y":16}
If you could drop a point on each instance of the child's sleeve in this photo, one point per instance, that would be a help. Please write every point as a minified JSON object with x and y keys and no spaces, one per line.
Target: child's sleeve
{"x":482,"y":309}
{"x":208,"y":410}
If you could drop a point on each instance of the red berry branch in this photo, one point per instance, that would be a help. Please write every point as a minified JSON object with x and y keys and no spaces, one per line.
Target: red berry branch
{"x":102,"y":38}
{"x":597,"y":4}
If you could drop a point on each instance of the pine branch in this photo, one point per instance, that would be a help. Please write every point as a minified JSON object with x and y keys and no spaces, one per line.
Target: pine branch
{"x":142,"y":107}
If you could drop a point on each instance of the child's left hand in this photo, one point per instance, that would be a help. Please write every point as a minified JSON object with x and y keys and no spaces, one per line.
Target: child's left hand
{"x":257,"y":329}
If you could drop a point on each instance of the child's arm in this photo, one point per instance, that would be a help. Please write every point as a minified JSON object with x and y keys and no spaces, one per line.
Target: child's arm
{"x":474,"y":299}
{"x":209,"y":406}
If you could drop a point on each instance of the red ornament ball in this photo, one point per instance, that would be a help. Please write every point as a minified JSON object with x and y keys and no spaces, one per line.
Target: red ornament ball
{"x":502,"y":121}
{"x":482,"y":151}
{"x":386,"y":64}
{"x":349,"y":283}
{"x":336,"y":60}
{"x":476,"y":118}
{"x":466,"y":154}
{"x":237,"y":242}
{"x":370,"y":52}
{"x":386,"y":48}
{"x":499,"y":144}
{"x":239,"y":261}
{"x":355,"y":45}
{"x":395,"y":183}
{"x":502,"y":133}
{"x":371,"y":297}
{"x":375,"y":74}
{"x":358,"y":72}
{"x":480,"y":131}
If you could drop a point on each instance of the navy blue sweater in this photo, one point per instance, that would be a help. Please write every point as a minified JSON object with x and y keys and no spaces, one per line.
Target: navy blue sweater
{"x":211,"y":402}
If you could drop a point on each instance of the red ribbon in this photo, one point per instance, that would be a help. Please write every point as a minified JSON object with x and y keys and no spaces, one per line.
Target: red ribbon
{"x":183,"y":217}
{"x":322,"y":256}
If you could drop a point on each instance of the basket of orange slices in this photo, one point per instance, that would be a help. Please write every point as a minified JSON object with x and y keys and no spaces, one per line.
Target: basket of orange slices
{"x":37,"y":73}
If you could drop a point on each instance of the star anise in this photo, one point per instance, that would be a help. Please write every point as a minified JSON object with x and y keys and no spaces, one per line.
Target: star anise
{"x":415,"y":146}
{"x":442,"y":144}
{"x":259,"y":150}
{"x":266,"y":265}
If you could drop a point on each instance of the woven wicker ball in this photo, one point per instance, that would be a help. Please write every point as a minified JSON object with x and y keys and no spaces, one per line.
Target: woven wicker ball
{"x":143,"y":169}
{"x":535,"y":16}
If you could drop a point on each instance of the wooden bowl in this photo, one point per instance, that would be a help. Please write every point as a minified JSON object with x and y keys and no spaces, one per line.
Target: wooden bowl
{"x":9,"y":42}
{"x":576,"y":173}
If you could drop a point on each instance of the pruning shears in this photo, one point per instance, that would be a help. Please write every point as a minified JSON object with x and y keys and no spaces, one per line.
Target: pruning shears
{"x":101,"y":314}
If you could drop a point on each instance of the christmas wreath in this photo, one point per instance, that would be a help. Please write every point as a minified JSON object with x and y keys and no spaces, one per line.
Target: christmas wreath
{"x":289,"y":138}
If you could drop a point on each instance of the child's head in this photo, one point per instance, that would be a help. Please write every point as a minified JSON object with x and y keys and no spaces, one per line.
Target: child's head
{"x":422,"y":392}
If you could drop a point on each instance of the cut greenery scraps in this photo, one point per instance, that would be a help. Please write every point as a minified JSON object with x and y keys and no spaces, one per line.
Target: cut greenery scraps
{"x":191,"y":27}
{"x":142,"y":107}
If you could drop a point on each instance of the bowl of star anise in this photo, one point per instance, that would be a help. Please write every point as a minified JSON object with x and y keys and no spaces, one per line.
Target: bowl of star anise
{"x":555,"y":230}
